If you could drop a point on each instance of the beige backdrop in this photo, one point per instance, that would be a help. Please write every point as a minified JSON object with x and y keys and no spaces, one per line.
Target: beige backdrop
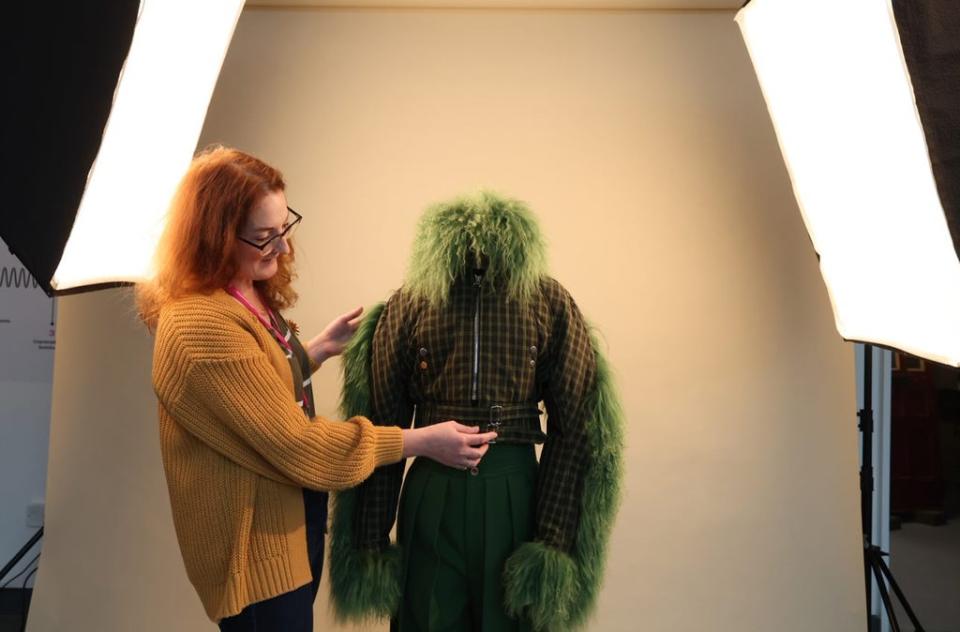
{"x":642,"y":142}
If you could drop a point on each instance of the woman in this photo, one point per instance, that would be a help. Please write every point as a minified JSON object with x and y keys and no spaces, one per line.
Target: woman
{"x":246,"y":460}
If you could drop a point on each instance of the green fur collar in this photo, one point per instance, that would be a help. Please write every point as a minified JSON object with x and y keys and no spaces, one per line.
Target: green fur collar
{"x":455,"y":237}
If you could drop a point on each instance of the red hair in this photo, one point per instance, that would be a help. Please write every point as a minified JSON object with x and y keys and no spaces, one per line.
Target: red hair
{"x":196,"y":251}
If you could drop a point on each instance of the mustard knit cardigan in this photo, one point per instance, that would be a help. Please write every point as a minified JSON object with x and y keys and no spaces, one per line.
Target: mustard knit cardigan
{"x":237,"y":449}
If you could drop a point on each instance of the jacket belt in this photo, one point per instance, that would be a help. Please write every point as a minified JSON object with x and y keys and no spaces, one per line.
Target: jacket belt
{"x":500,"y":417}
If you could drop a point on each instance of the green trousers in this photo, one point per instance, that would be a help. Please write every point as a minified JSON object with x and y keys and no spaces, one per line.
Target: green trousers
{"x":457,"y":528}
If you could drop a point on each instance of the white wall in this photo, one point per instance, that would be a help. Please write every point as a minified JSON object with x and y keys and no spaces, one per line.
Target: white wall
{"x":26,"y":382}
{"x":642,"y":142}
{"x":24,"y":434}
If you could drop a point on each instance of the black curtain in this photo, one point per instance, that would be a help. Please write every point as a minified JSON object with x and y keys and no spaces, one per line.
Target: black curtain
{"x":930,"y":36}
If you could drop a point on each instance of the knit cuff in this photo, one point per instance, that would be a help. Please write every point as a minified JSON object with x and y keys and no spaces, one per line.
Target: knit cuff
{"x":389,"y":446}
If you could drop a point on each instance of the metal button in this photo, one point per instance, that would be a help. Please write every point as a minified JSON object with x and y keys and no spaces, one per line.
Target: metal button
{"x":474,"y":471}
{"x":533,"y":350}
{"x":423,"y":352}
{"x":423,"y":365}
{"x":533,"y":363}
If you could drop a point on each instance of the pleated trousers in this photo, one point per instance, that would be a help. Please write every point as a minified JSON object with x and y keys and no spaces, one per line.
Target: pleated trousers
{"x":457,"y":529}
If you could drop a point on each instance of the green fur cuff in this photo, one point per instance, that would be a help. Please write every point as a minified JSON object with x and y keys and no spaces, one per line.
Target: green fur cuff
{"x":364,"y":584}
{"x":540,"y":584}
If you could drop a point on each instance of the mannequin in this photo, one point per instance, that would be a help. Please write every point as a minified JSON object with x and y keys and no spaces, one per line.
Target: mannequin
{"x":481,"y":334}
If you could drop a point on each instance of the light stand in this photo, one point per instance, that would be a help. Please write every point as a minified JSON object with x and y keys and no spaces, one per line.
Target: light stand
{"x":21,"y":553}
{"x":873,"y":563}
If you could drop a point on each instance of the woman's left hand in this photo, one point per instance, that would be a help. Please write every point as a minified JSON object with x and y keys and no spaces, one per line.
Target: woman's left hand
{"x":334,"y":338}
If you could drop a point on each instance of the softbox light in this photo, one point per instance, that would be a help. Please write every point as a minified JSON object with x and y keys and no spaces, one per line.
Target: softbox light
{"x":865,"y":100}
{"x":106,"y":102}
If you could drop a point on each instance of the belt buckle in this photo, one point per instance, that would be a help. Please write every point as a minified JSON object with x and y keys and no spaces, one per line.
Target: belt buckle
{"x":496,"y":418}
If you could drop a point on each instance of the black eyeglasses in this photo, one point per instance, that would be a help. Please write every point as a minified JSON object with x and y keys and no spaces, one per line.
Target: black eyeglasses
{"x":270,"y":245}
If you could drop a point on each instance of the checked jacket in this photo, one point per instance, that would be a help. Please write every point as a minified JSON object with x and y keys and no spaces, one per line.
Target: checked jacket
{"x":477,"y":350}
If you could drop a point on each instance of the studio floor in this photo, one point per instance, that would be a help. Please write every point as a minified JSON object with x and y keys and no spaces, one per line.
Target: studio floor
{"x":926,"y":562}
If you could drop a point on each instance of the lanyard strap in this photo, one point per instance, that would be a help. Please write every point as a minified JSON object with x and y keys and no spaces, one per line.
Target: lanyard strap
{"x":269,"y":324}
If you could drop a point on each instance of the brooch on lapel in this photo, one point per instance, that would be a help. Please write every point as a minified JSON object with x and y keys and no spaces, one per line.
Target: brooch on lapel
{"x":294,"y":327}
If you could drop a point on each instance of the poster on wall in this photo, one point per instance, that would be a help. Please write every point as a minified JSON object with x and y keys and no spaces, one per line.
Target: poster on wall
{"x":27,"y":324}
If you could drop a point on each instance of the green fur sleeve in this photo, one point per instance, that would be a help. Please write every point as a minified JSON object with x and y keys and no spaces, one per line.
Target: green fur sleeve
{"x":553,"y":589}
{"x":364,"y":584}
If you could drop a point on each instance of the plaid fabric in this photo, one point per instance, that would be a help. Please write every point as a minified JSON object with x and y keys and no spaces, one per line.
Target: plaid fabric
{"x":540,"y":351}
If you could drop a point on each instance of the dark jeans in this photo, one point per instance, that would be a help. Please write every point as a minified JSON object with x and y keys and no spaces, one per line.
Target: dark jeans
{"x":291,"y":611}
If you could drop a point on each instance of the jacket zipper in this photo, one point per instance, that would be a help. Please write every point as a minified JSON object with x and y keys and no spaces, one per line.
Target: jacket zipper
{"x":475,"y":384}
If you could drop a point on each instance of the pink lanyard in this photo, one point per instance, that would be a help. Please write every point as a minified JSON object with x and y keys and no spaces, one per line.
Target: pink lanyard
{"x":235,"y":293}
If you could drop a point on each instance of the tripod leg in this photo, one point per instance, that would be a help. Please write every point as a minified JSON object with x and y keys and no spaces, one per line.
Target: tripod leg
{"x":868,"y":580}
{"x":884,"y":595}
{"x":882,"y":564}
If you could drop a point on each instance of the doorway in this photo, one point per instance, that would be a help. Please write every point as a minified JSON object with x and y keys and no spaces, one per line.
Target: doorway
{"x":924,"y":487}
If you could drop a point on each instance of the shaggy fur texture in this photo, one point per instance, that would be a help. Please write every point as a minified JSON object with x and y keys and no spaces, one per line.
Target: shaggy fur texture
{"x":555,"y":590}
{"x":355,"y":397}
{"x":363,"y":584}
{"x":453,"y":237}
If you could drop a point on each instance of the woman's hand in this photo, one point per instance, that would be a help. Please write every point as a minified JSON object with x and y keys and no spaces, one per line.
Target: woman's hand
{"x":334,"y":338}
{"x":449,"y":443}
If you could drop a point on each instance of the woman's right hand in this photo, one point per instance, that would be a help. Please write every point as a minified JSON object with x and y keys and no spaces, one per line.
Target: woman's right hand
{"x":450,"y":443}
